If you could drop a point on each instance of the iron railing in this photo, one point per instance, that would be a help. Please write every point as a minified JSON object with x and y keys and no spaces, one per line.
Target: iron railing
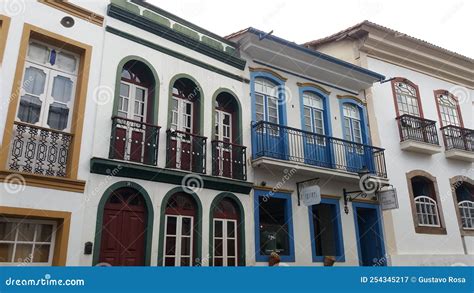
{"x":291,"y":144}
{"x":185,"y":151}
{"x":39,"y":150}
{"x":416,"y":128}
{"x":228,"y":160}
{"x":134,"y":141}
{"x":458,"y":138}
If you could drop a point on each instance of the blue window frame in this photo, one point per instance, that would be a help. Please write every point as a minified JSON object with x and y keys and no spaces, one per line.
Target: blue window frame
{"x":326,"y":230}
{"x":355,"y":112}
{"x":273,"y":225}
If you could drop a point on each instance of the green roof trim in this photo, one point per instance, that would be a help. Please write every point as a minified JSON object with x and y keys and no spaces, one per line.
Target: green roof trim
{"x":186,"y":31}
{"x":127,"y":6}
{"x":156,"y":18}
{"x":212,"y":43}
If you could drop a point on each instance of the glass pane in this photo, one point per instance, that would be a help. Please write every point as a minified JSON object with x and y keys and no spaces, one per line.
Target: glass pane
{"x":218,"y":247}
{"x":185,"y":246}
{"x":171,"y":225}
{"x":6,"y":252}
{"x":23,"y":252}
{"x":7,"y":231}
{"x":38,"y":53}
{"x":230,"y":247}
{"x":62,"y":89}
{"x":218,"y":229}
{"x":30,"y":109}
{"x":124,"y":89}
{"x":140,"y":95}
{"x":185,"y":261}
{"x":34,"y":81}
{"x":230,"y":229}
{"x":41,"y":253}
{"x":26,"y":231}
{"x":231,"y":262}
{"x":186,"y":226}
{"x":58,"y":116}
{"x":66,"y":62}
{"x":218,"y":262}
{"x":44,"y":233}
{"x":170,"y":245}
{"x":169,"y":261}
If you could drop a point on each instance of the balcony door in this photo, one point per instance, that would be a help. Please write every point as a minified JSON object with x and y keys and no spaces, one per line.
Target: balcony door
{"x":316,"y":148}
{"x":182,"y":123}
{"x":270,"y":138}
{"x":357,"y":156}
{"x":132,"y":106}
{"x":223,"y":134}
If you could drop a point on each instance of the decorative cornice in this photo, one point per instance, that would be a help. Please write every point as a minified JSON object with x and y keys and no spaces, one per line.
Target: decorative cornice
{"x":263,"y":69}
{"x":48,"y":182}
{"x":75,"y":10}
{"x":310,"y":84}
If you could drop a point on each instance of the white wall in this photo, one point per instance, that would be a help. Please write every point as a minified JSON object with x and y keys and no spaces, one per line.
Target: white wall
{"x":400,"y":162}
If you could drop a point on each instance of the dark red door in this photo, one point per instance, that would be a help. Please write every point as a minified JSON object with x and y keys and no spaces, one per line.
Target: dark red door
{"x":123,"y":229}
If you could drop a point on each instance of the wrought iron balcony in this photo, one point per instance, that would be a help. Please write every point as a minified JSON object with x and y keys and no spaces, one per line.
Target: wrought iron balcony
{"x":458,"y":138}
{"x":134,"y":141}
{"x":418,"y":129}
{"x":291,"y":144}
{"x":185,"y":151}
{"x":228,"y":160}
{"x":39,"y":150}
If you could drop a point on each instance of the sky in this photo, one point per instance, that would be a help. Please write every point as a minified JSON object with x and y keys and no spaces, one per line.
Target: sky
{"x":447,"y":24}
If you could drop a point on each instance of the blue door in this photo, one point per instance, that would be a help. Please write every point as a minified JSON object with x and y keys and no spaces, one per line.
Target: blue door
{"x":316,"y":144}
{"x":357,"y":155}
{"x":369,"y":235}
{"x":270,"y":137}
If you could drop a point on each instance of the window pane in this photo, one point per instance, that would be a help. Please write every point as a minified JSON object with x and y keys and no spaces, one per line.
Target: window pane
{"x":124,"y":89}
{"x":34,"y":81}
{"x":41,"y":253}
{"x":231,"y":262}
{"x":231,"y":247}
{"x":23,"y":252}
{"x":218,"y":262}
{"x":170,"y":245}
{"x":58,"y":116}
{"x":44,"y":233}
{"x":6,"y":252}
{"x":66,"y":62}
{"x":7,"y":231}
{"x":38,"y":53}
{"x":185,"y":246}
{"x":62,"y":89}
{"x":218,"y":228}
{"x":218,"y":249}
{"x":140,"y":95}
{"x":30,"y":109}
{"x":169,"y":261}
{"x":325,"y":233}
{"x":186,"y":226}
{"x":185,"y":261}
{"x":171,"y":225}
{"x":26,"y":231}
{"x":273,"y":231}
{"x":230,"y":229}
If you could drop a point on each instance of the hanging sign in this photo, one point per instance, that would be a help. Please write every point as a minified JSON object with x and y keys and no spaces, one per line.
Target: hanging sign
{"x":388,"y":199}
{"x":310,"y":194}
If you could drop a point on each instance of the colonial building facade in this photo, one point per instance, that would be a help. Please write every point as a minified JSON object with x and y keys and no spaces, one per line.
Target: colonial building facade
{"x":134,"y":137}
{"x":423,"y":116}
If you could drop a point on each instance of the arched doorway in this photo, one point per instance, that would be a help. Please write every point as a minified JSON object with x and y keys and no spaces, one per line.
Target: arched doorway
{"x":180,"y":229}
{"x":124,"y":229}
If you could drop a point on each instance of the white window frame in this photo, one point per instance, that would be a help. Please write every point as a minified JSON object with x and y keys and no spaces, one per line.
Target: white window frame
{"x":466,"y":212}
{"x":427,"y":211}
{"x":310,"y":103}
{"x":406,"y":94}
{"x":269,"y":92}
{"x":178,"y":236}
{"x":222,"y":137}
{"x":132,"y":99}
{"x":51,"y":71}
{"x":15,"y":242}
{"x":448,"y":111}
{"x":224,"y":239}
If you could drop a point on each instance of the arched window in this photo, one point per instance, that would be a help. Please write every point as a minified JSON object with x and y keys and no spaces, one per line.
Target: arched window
{"x":185,"y":106}
{"x":313,"y":113}
{"x":426,"y":202}
{"x":228,"y":154}
{"x":407,"y":98}
{"x":266,"y":101}
{"x":136,"y":84}
{"x":180,"y":222}
{"x":226,"y":234}
{"x":448,"y":109}
{"x":465,"y":201}
{"x":352,"y":123}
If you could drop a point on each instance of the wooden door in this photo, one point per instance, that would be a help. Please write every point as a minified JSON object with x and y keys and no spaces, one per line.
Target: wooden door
{"x":123,"y":230}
